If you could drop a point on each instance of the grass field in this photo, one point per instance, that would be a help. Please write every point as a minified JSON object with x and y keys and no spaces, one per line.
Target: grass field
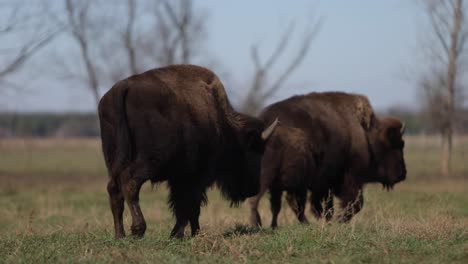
{"x":54,"y":208}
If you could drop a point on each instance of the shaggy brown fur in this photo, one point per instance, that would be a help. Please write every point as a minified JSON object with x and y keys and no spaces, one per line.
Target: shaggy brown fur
{"x":176,"y":124}
{"x":287,"y":165}
{"x":352,"y":145}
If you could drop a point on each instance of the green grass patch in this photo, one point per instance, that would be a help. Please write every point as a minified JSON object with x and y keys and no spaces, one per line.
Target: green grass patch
{"x":54,"y":209}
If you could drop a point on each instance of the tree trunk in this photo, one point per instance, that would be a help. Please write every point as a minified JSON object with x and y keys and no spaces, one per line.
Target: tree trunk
{"x":251,"y":106}
{"x":451,"y":79}
{"x":446,"y":154}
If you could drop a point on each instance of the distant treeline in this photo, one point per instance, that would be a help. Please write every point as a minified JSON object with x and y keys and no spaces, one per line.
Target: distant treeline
{"x":86,"y":124}
{"x":48,"y":125}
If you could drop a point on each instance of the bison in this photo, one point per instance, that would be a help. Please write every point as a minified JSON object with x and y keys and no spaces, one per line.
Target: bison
{"x":288,"y":164}
{"x":348,"y":147}
{"x":176,"y":124}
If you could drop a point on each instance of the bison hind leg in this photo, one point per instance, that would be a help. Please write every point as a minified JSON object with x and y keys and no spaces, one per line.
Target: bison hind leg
{"x":255,"y":219}
{"x":116,"y":201}
{"x":132,"y":178}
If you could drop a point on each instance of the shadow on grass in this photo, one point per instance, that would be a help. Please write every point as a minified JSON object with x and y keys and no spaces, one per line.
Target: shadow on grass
{"x":240,"y":230}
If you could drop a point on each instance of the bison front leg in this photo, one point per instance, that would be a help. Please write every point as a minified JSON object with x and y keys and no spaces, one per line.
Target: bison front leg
{"x":179,"y":228}
{"x":297,"y":202}
{"x":185,"y":203}
{"x":275,"y":203}
{"x":322,"y":205}
{"x":194,"y":222}
{"x":198,"y":198}
{"x":184,"y":214}
{"x":351,"y":203}
{"x":180,"y":211}
{"x":116,"y":201}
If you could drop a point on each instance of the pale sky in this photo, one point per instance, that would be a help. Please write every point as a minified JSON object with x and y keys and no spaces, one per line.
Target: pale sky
{"x":364,"y":46}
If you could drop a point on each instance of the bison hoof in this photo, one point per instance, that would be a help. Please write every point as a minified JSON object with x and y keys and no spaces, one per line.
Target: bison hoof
{"x":119,"y":235}
{"x":178,"y":235}
{"x":255,"y":222}
{"x":195,"y":232}
{"x":138,"y":231}
{"x":255,"y":225}
{"x":344,"y":220}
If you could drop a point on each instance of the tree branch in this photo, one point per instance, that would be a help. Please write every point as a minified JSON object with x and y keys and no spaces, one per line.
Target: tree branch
{"x":294,"y":63}
{"x":280,"y":48}
{"x":78,"y":30}
{"x":128,"y":37}
{"x":258,"y":92}
{"x":438,"y":30}
{"x":28,"y":48}
{"x":27,"y":52}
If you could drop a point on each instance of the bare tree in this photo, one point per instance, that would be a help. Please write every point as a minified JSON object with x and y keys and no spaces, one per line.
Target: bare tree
{"x":29,"y":30}
{"x":445,"y":47}
{"x":261,"y":90}
{"x":180,"y":31}
{"x":128,"y":36}
{"x":132,"y":37}
{"x":79,"y":26}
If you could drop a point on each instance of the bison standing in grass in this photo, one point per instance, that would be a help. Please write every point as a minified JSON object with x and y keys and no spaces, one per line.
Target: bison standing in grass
{"x":343,"y":147}
{"x":288,"y":164}
{"x":176,"y":124}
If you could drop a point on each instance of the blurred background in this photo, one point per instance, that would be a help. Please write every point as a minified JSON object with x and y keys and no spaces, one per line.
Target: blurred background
{"x":59,"y":57}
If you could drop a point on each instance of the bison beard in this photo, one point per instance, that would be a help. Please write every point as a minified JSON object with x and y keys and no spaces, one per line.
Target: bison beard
{"x":353,"y":147}
{"x":176,"y":124}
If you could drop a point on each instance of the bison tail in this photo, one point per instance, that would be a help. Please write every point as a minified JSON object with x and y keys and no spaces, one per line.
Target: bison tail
{"x":123,"y":152}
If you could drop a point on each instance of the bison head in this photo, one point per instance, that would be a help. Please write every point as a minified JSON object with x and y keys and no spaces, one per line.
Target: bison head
{"x":241,"y":162}
{"x":388,"y":152}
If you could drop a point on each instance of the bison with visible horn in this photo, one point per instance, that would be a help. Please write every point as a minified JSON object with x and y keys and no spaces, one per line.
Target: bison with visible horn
{"x":176,"y":124}
{"x":348,"y":146}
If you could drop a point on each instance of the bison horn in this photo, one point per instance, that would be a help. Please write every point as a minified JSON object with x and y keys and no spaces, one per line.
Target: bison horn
{"x":402,"y":129}
{"x":267,"y":132}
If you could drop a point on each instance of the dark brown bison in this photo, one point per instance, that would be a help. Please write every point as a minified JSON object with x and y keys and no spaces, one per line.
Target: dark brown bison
{"x":176,"y":124}
{"x":288,"y":164}
{"x":349,"y":147}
